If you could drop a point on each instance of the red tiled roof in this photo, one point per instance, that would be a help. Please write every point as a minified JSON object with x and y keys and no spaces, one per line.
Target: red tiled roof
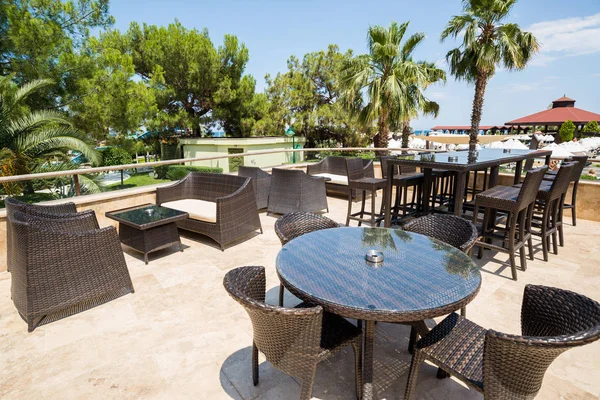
{"x":564,"y":98}
{"x":556,"y":116}
{"x":463,"y":127}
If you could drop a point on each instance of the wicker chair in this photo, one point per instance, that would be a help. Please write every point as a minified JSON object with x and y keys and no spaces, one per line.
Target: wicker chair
{"x":261,"y":183}
{"x":295,"y":191}
{"x":334,"y":167}
{"x":294,"y":340}
{"x":290,"y":226}
{"x":503,"y":366}
{"x":49,"y":211}
{"x":550,"y":175}
{"x":518,"y":203}
{"x":549,"y":208}
{"x":65,"y":266}
{"x":456,"y":231}
{"x":233,"y":196}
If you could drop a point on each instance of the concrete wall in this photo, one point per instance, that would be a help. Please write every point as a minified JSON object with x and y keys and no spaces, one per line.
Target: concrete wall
{"x":205,"y":147}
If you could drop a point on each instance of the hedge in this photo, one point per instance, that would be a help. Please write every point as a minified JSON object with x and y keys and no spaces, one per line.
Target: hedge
{"x":177,"y":172}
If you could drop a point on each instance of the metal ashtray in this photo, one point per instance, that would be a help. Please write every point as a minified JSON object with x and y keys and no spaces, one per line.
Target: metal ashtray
{"x":374,"y":256}
{"x":452,"y":158}
{"x":149,"y":211}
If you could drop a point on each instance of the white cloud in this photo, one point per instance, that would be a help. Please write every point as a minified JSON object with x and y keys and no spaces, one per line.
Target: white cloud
{"x":566,"y":37}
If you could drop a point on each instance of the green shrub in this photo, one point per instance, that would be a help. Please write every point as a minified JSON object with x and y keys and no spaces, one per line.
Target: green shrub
{"x":588,"y":177}
{"x":591,"y":126}
{"x":567,"y":131}
{"x":177,"y":172}
{"x":115,"y":156}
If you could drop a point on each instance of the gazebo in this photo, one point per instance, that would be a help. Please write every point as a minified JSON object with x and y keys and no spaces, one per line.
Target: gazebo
{"x":562,"y":109}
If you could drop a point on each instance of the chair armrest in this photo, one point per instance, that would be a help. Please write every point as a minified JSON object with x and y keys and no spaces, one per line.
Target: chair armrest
{"x":176,"y":191}
{"x":315,"y":168}
{"x":237,"y":204}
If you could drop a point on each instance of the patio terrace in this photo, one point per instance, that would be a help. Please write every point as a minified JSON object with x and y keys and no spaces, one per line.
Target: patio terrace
{"x":180,"y":336}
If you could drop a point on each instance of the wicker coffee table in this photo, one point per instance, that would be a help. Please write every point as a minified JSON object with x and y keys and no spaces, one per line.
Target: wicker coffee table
{"x":420,"y":278}
{"x":148,"y":227}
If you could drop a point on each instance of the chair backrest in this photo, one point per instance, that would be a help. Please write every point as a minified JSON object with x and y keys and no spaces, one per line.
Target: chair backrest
{"x":287,"y":337}
{"x":552,"y":321}
{"x":456,"y":231}
{"x":292,"y":225}
{"x":560,"y":184}
{"x":261,"y":183}
{"x":581,"y":161}
{"x":533,"y":145}
{"x":530,"y":187}
{"x":383,"y":162}
{"x":354,"y":168}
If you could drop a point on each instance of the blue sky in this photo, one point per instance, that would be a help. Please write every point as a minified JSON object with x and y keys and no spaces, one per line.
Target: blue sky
{"x":569,"y":62}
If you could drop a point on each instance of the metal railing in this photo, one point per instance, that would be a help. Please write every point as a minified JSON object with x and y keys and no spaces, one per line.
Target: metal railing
{"x":76,"y":172}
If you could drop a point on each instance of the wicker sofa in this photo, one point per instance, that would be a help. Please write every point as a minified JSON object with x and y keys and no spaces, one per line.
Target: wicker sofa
{"x":334,"y":168}
{"x":222,"y":207}
{"x":261,"y":183}
{"x":65,"y":265}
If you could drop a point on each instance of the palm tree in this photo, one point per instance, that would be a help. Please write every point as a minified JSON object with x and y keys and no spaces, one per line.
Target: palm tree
{"x":389,"y":80}
{"x":29,"y":139}
{"x":487,"y":43}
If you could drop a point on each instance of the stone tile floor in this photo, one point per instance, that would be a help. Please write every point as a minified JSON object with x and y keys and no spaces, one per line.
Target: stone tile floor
{"x":180,"y":336}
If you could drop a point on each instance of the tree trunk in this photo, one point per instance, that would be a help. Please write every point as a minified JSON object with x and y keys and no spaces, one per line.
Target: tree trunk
{"x":405,"y":133}
{"x":480,"y":84}
{"x":384,"y":131}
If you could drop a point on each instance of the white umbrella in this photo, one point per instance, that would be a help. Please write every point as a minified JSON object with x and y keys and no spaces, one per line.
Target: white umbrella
{"x":558,"y":152}
{"x":548,"y":138}
{"x":590,"y":144}
{"x":514,"y":144}
{"x":495,"y":145}
{"x":574,"y":148}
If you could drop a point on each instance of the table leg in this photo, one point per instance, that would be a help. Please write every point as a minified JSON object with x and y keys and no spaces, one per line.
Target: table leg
{"x":494,"y":176}
{"x":369,"y":340}
{"x":427,"y":181}
{"x":518,"y":171}
{"x":548,"y":159}
{"x":459,"y":191}
{"x":387,"y":196}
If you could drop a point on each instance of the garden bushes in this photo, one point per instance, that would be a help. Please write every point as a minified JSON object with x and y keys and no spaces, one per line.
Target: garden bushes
{"x":177,"y":172}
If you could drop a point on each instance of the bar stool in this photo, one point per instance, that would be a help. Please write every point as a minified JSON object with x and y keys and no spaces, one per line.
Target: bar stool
{"x":550,"y":175}
{"x":518,"y":203}
{"x":357,"y":181}
{"x":405,"y":177}
{"x":547,"y":217}
{"x":442,"y":188}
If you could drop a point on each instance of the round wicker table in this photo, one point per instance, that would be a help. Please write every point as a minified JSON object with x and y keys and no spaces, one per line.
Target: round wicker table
{"x":419,"y":278}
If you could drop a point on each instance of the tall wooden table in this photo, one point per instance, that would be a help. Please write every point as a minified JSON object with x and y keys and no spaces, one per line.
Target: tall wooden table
{"x":461,"y":162}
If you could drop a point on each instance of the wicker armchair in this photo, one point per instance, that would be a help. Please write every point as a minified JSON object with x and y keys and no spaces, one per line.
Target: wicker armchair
{"x":295,"y":191}
{"x":456,"y":231}
{"x":14,"y":205}
{"x":503,"y":366}
{"x":236,"y":211}
{"x":290,"y":226}
{"x":261,"y":183}
{"x":294,"y":340}
{"x":65,"y":266}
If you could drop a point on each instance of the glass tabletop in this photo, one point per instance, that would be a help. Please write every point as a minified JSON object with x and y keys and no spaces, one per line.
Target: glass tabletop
{"x":418,"y":275}
{"x":145,"y":215}
{"x":469,"y":158}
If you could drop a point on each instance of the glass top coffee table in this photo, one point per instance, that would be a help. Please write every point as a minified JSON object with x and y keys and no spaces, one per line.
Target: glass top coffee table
{"x":148,"y":227}
{"x":419,"y":278}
